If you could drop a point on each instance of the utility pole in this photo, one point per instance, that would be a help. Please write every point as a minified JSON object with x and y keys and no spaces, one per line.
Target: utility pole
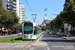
{"x":34,"y":18}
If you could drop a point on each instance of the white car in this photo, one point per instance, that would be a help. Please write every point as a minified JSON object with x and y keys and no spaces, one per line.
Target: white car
{"x":20,"y":34}
{"x":50,"y":33}
{"x":59,"y":34}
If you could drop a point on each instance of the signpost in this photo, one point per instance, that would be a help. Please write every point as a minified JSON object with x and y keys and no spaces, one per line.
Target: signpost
{"x":66,"y":29}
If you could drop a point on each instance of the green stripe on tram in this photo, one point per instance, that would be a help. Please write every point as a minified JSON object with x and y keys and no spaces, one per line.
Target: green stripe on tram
{"x":38,"y":27}
{"x":36,"y":35}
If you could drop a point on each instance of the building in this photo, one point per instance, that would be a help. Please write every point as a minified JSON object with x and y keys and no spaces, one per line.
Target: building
{"x":11,"y":5}
{"x":14,"y":5}
{"x":21,"y":13}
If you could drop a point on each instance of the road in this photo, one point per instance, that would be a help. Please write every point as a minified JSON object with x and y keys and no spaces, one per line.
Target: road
{"x":56,"y":43}
{"x":9,"y":36}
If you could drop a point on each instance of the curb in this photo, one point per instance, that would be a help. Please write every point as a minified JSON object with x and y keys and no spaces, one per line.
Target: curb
{"x":39,"y":38}
{"x":39,"y":43}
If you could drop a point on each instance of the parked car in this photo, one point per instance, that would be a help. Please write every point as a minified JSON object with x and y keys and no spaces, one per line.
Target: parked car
{"x":50,"y":33}
{"x":59,"y":33}
{"x":54,"y":32}
{"x":20,"y":33}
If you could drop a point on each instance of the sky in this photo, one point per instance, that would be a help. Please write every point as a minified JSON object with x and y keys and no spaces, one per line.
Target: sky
{"x":38,"y":7}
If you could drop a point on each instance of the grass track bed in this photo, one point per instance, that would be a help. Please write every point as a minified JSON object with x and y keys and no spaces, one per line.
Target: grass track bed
{"x":19,"y":39}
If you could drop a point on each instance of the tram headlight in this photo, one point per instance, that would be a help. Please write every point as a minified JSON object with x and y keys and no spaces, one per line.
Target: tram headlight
{"x":31,"y":36}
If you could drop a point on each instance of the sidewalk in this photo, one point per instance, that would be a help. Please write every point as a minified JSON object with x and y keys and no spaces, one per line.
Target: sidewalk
{"x":15,"y":46}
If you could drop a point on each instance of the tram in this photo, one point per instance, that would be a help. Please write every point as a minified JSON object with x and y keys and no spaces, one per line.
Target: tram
{"x":30,"y":31}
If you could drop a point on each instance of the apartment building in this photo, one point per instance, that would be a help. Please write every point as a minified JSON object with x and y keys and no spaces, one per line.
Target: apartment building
{"x":21,"y":13}
{"x":11,"y":5}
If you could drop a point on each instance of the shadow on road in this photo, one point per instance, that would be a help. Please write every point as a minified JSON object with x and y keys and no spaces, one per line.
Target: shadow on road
{"x":57,"y":40}
{"x":53,"y":36}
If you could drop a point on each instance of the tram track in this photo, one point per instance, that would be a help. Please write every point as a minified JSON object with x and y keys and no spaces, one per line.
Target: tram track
{"x":26,"y":45}
{"x":11,"y":47}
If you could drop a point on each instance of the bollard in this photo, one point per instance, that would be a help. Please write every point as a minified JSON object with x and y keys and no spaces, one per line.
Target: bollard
{"x":13,"y":40}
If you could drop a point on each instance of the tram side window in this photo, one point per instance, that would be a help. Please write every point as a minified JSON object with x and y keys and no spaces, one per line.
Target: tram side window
{"x":37,"y":30}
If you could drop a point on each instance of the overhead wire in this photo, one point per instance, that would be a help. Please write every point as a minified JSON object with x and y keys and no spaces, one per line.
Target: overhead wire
{"x":28,"y":6}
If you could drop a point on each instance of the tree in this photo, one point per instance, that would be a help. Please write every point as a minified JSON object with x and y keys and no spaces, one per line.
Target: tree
{"x":27,"y":22}
{"x":8,"y":19}
{"x":1,"y":12}
{"x":1,"y":3}
{"x":69,"y":12}
{"x":13,"y":20}
{"x":58,"y":21}
{"x":19,"y":27}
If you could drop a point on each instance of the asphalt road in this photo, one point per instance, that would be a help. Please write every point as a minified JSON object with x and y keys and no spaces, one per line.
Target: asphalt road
{"x":56,"y":43}
{"x":10,"y":36}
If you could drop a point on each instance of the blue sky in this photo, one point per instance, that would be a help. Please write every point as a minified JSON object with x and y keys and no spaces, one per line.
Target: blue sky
{"x":38,"y":6}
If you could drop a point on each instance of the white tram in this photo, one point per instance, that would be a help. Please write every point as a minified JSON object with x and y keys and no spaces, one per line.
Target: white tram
{"x":30,"y":31}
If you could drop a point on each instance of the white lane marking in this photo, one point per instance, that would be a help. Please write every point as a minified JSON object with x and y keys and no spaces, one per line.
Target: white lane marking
{"x":31,"y":48}
{"x":48,"y":48}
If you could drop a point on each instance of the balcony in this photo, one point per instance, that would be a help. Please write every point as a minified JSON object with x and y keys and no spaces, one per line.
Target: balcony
{"x":10,"y":8}
{"x":10,"y":1}
{"x":14,"y":5}
{"x":14,"y":2}
{"x":14,"y":8}
{"x":10,"y":4}
{"x":23,"y":15}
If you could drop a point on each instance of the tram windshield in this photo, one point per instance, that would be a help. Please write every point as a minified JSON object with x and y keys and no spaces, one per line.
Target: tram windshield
{"x":27,"y":32}
{"x":28,"y":28}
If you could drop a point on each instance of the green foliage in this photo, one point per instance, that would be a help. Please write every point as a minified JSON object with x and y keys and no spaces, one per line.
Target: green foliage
{"x":67,"y":15}
{"x":43,"y":27}
{"x":10,"y":39}
{"x":58,"y":21}
{"x":69,"y":12}
{"x":8,"y":19}
{"x":1,"y":3}
{"x":13,"y":20}
{"x":19,"y":27}
{"x":27,"y":22}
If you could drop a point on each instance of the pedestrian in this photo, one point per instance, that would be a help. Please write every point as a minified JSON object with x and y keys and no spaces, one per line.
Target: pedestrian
{"x":8,"y":31}
{"x":3,"y":32}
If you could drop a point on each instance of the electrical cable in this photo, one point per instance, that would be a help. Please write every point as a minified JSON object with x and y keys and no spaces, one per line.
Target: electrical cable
{"x":29,"y":6}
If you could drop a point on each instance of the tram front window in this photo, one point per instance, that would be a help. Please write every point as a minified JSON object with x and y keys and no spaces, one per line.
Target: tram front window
{"x":27,"y":32}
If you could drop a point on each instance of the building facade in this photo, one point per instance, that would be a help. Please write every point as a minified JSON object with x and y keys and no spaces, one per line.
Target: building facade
{"x":14,"y":5}
{"x":11,"y":5}
{"x":21,"y":13}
